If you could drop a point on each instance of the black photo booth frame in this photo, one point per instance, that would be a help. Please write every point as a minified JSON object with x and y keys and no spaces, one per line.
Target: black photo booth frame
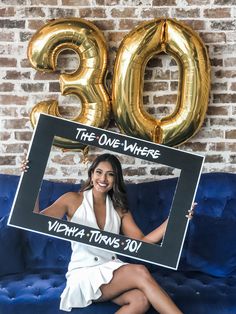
{"x":168,"y":253}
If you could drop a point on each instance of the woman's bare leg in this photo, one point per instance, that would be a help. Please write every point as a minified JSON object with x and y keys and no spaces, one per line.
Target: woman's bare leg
{"x":132,"y":302}
{"x":131,"y":276}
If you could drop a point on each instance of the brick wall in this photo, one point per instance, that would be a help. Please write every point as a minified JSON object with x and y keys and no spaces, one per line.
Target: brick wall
{"x":21,"y":87}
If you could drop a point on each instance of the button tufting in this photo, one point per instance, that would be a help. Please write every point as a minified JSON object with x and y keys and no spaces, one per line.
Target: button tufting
{"x":11,"y":296}
{"x":37,"y":293}
{"x":44,"y":277}
{"x":96,"y":258}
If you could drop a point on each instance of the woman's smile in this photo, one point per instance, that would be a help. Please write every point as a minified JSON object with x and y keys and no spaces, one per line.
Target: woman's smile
{"x":102,"y":184}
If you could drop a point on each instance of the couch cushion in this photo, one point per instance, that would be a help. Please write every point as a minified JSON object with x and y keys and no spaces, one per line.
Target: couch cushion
{"x":8,"y":184}
{"x":45,"y":252}
{"x":216,"y":195}
{"x":42,"y":251}
{"x":211,"y":245}
{"x":150,"y":202}
{"x":28,"y":293}
{"x":11,"y":260}
{"x":199,"y":293}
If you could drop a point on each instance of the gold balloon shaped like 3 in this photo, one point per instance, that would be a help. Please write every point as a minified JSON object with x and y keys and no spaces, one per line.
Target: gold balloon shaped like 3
{"x":87,"y":82}
{"x":137,"y":48}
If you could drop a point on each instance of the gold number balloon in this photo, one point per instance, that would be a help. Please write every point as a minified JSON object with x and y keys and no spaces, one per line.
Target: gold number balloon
{"x":140,"y":45}
{"x":86,"y":82}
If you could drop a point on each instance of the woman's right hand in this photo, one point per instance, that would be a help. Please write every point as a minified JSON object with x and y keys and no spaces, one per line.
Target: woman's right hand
{"x":24,"y":163}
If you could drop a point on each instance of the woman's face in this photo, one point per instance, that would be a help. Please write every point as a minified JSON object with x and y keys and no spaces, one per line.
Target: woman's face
{"x":103,"y":177}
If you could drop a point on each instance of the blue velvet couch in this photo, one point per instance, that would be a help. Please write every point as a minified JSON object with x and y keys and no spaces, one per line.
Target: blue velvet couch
{"x":33,"y":266}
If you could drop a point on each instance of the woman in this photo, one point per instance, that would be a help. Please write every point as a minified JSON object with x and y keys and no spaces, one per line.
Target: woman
{"x":96,"y":275}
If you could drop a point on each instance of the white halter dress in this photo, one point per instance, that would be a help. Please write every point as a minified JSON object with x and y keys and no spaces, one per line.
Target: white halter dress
{"x":89,"y":267}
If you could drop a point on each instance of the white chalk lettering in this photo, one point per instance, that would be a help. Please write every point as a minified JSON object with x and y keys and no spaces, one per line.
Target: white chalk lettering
{"x":52,"y":226}
{"x":129,"y":147}
{"x":132,"y":245}
{"x":104,"y":140}
{"x":85,"y":136}
{"x":97,"y":237}
{"x":66,"y":230}
{"x":96,"y":233}
{"x":80,"y":233}
{"x":139,"y":150}
{"x":79,"y":130}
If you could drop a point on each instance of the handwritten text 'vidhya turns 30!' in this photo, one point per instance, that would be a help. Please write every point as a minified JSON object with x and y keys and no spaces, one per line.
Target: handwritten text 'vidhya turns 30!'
{"x":95,"y":237}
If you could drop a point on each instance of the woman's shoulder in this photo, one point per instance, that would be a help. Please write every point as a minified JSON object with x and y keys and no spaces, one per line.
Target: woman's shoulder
{"x":72,"y":196}
{"x":122,"y":212}
{"x":73,"y":200}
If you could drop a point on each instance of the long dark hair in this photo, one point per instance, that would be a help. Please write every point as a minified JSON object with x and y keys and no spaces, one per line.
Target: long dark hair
{"x":118,"y":192}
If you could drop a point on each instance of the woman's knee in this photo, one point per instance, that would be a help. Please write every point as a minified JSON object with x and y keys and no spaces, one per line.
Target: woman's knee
{"x":138,"y":301}
{"x":142,"y":302}
{"x":138,"y":270}
{"x":141,"y":272}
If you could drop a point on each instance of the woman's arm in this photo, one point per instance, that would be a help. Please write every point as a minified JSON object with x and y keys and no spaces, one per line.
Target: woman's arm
{"x":64,"y":205}
{"x":130,"y":229}
{"x":57,"y":210}
{"x":36,"y":206}
{"x":157,"y":234}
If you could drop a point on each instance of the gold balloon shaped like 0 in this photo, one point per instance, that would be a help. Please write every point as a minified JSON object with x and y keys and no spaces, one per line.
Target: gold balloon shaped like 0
{"x":87,"y":82}
{"x":138,"y":47}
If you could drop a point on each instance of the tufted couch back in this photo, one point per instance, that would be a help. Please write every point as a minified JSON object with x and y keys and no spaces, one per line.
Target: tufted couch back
{"x":209,"y":245}
{"x":23,"y":250}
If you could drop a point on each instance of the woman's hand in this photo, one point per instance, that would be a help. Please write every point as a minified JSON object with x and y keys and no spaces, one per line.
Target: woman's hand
{"x":191,"y":211}
{"x":24,"y":163}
